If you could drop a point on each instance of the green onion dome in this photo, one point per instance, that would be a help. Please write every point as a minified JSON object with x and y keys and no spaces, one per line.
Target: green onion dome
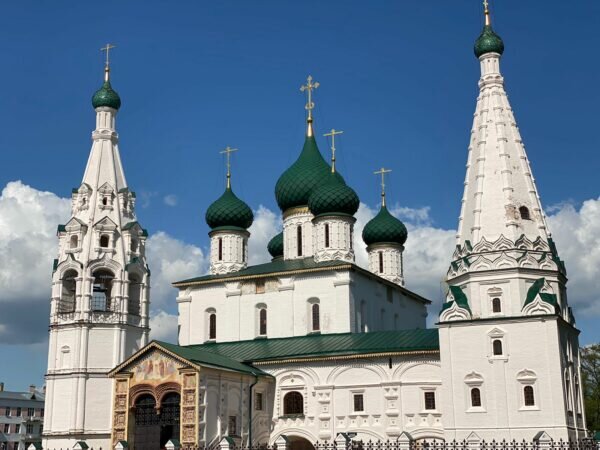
{"x":384,"y":228}
{"x":488,"y":42}
{"x":333,"y":197}
{"x":106,"y":96}
{"x":308,"y":172}
{"x":229,"y":212}
{"x":275,"y":246}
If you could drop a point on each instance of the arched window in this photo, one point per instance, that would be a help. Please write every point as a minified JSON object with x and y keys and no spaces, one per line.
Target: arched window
{"x":528,"y":396}
{"x":135,"y":291}
{"x":524,"y":212}
{"x":244,"y":244}
{"x":497,"y":344}
{"x":220,"y":249}
{"x":496,"y":305}
{"x":299,"y":239}
{"x":66,"y":303}
{"x":293,"y":403}
{"x":326,"y":235}
{"x":134,"y":245}
{"x":475,"y":397}
{"x":101,"y":290}
{"x":262,"y":322}
{"x":212,"y":326}
{"x":380,"y":262}
{"x":74,"y":241}
{"x":105,"y":201}
{"x":316,"y":319}
{"x":351,"y":239}
{"x":104,"y":239}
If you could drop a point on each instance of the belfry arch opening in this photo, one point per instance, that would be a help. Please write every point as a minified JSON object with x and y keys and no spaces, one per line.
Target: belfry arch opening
{"x":66,"y":304}
{"x":101,"y":290}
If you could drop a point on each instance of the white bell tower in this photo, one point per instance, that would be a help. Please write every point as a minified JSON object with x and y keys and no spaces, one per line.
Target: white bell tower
{"x":100,"y":292}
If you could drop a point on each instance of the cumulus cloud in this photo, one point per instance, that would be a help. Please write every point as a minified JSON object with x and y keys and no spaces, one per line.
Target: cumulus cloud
{"x":266,"y":225}
{"x":170,"y":200}
{"x":163,"y":327}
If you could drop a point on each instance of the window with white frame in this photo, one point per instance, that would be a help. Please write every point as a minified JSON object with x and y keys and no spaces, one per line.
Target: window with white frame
{"x":358,"y":402}
{"x":527,"y":386}
{"x":262,"y":321}
{"x":429,"y":400}
{"x":497,"y":344}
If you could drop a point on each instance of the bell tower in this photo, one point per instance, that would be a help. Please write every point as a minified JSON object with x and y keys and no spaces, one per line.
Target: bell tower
{"x":100,"y":291}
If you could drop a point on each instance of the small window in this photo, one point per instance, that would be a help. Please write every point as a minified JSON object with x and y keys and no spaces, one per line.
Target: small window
{"x":212,"y":326}
{"x":359,"y":404}
{"x":18,"y":412}
{"x":104,"y":241}
{"x":497,"y":347}
{"x":134,"y":245}
{"x":42,"y":412}
{"x":351,"y":239}
{"x":262,"y":322}
{"x":299,"y":239}
{"x":429,"y":400}
{"x":74,"y":241}
{"x":232,"y":426}
{"x":18,"y":428}
{"x":30,"y":412}
{"x":244,"y":243}
{"x":293,"y":403}
{"x":258,"y":401}
{"x":496,"y":305}
{"x":8,"y":412}
{"x":475,"y":397}
{"x":528,"y":396}
{"x":326,"y":235}
{"x":105,"y":201}
{"x":6,"y":428}
{"x":524,"y":212}
{"x":380,"y":262}
{"x":29,"y":428}
{"x":316,"y":319}
{"x":220,"y":249}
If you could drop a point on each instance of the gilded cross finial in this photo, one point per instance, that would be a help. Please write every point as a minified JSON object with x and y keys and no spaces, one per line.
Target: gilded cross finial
{"x":333,"y":133}
{"x":308,"y":88}
{"x":382,"y":172}
{"x":486,"y":12}
{"x":228,"y":151}
{"x":107,"y":49}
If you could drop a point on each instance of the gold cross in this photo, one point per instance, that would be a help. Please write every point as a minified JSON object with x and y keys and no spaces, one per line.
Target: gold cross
{"x":382,"y":172}
{"x":333,"y":133}
{"x":228,"y":151}
{"x":486,"y":12}
{"x":308,"y":87}
{"x":107,"y":66}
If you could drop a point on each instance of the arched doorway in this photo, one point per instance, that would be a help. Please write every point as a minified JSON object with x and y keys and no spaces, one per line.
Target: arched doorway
{"x":154,"y":428}
{"x":300,"y":443}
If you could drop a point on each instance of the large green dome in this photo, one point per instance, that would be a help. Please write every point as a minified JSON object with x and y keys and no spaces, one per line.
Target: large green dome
{"x":488,"y":42}
{"x":308,"y":172}
{"x":275,"y":246}
{"x":106,"y":96}
{"x":229,"y":212}
{"x":333,"y":197}
{"x":384,"y":228}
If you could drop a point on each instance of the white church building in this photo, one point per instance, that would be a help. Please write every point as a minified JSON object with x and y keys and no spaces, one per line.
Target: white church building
{"x":311,"y":347}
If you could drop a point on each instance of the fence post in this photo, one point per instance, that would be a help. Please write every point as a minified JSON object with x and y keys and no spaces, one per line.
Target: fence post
{"x":405,"y":441}
{"x":227,"y":443}
{"x":543,"y":441}
{"x":121,"y":445}
{"x":282,"y":443}
{"x":473,"y":441}
{"x":173,"y":444}
{"x":80,"y":445}
{"x":342,"y":441}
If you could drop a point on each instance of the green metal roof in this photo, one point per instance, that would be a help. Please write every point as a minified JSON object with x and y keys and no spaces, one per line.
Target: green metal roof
{"x":488,"y":42}
{"x":106,"y":96}
{"x":460,"y":298}
{"x":213,"y":359}
{"x":384,"y":228}
{"x":334,"y":196}
{"x":229,"y":211}
{"x":309,"y":171}
{"x":312,"y":346}
{"x":534,"y":291}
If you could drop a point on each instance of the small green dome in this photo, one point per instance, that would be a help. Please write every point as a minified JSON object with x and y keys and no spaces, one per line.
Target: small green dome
{"x":106,"y":96}
{"x":334,"y":197}
{"x":488,"y":42}
{"x":384,"y":228}
{"x":229,"y":212}
{"x":275,"y":246}
{"x":308,"y":172}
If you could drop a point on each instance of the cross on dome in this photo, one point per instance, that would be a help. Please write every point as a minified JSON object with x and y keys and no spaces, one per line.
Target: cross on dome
{"x":107,"y":49}
{"x":228,"y":151}
{"x":382,"y":172}
{"x":308,"y":88}
{"x":333,"y":133}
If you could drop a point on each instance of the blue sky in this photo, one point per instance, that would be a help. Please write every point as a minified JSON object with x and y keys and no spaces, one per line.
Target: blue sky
{"x":399,"y":77}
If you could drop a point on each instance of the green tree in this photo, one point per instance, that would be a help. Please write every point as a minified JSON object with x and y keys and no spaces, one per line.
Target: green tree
{"x":590,"y":371}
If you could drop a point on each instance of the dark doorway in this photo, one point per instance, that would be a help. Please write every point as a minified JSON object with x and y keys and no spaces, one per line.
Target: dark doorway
{"x":153,"y":428}
{"x":300,"y":443}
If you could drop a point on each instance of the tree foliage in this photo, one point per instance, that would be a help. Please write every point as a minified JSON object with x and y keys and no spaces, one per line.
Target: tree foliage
{"x":590,"y":372}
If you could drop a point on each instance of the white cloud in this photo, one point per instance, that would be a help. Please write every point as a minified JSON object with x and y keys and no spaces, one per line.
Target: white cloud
{"x":170,"y":200}
{"x":171,"y":260}
{"x":266,"y":225}
{"x":163,"y":327}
